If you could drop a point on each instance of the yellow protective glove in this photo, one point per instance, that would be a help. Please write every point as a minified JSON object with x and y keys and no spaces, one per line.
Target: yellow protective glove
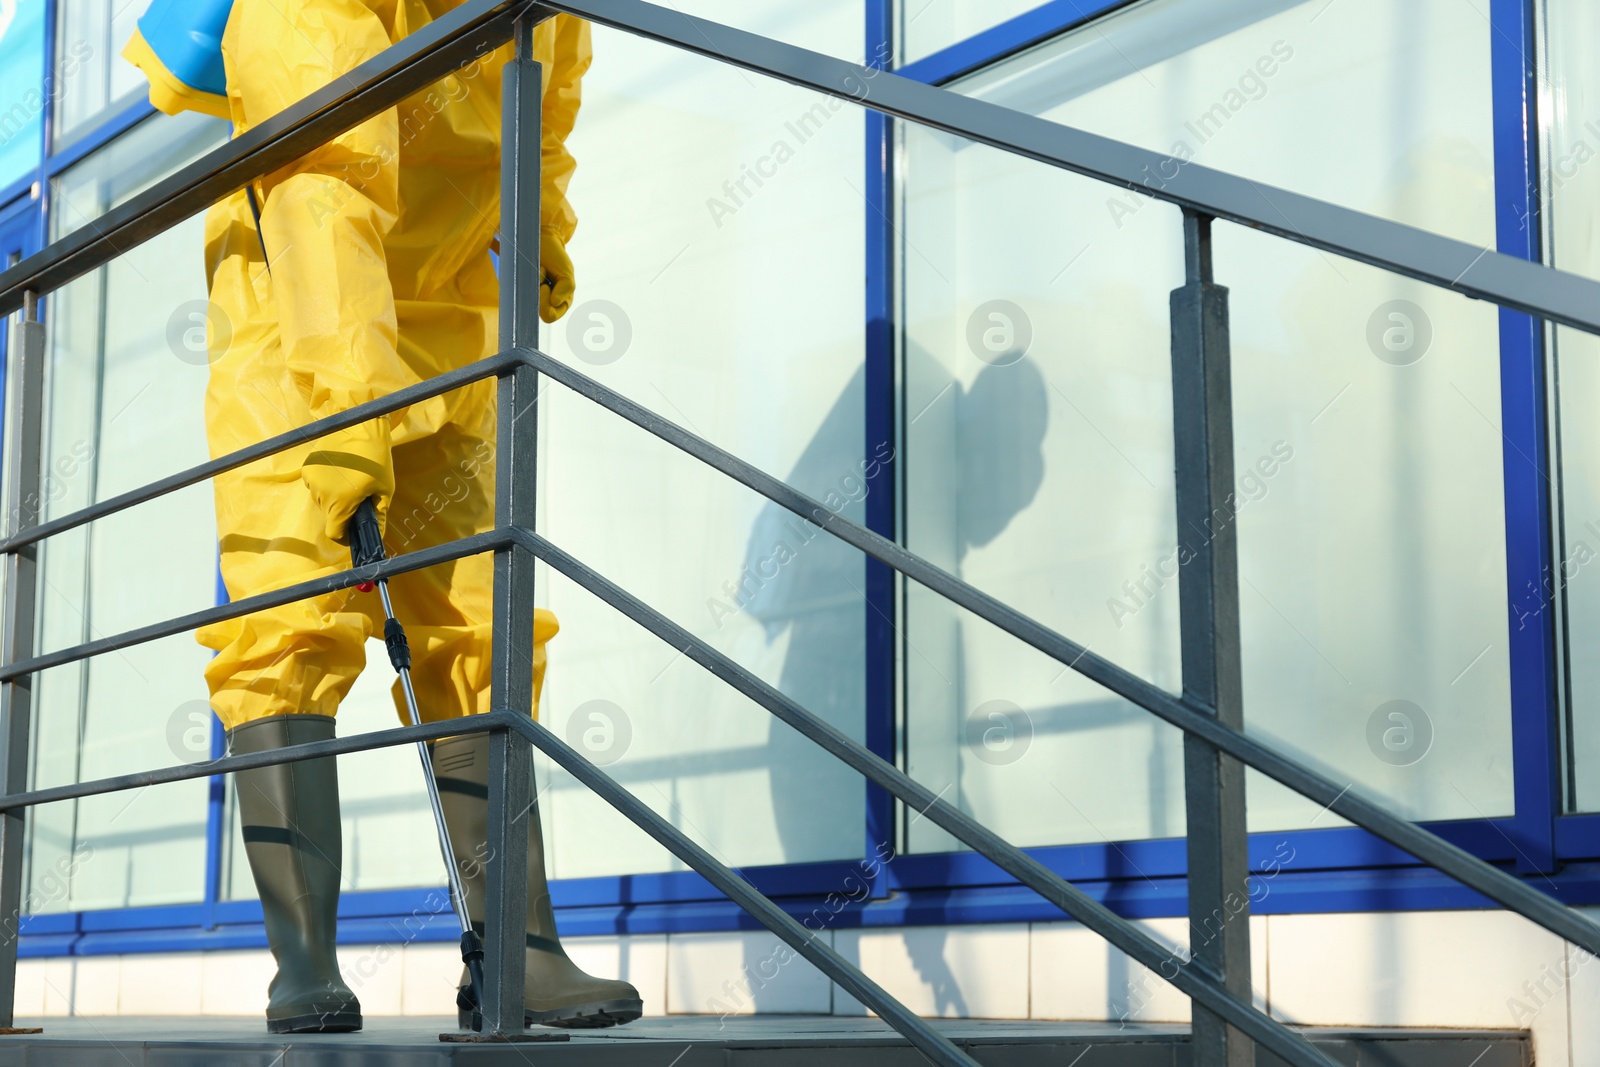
{"x":558,"y":281}
{"x":347,"y":467}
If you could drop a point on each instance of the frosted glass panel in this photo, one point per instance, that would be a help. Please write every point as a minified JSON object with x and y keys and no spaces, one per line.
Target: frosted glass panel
{"x":1039,"y":438}
{"x":819,"y":25}
{"x":124,"y":407}
{"x":92,"y":79}
{"x":719,"y":283}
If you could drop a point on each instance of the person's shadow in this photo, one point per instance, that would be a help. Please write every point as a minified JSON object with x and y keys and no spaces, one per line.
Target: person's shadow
{"x":811,"y":586}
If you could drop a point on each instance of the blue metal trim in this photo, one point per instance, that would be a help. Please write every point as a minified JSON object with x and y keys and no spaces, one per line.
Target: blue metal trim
{"x":382,"y":903}
{"x":55,"y":922}
{"x":881,"y":434}
{"x":191,"y":939}
{"x":156,"y":917}
{"x":952,"y":887}
{"x":16,"y":217}
{"x":45,"y":947}
{"x":1287,"y":891}
{"x":216,"y":802}
{"x":99,"y":136}
{"x":1530,"y":566}
{"x":1578,"y":837}
{"x":1008,"y":38}
{"x":783,"y":880}
{"x":1334,"y":848}
{"x":14,"y":196}
{"x":216,"y":813}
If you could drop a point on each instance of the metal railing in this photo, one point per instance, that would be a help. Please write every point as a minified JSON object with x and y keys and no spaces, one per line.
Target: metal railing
{"x":1217,"y":976}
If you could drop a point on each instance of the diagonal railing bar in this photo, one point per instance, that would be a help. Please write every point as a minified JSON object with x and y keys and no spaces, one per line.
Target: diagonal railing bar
{"x":332,"y":583}
{"x":1473,"y":270}
{"x":911,"y":1026}
{"x":1189,"y":976}
{"x":339,"y":746}
{"x":1343,"y":800}
{"x":441,"y":47}
{"x":449,"y":381}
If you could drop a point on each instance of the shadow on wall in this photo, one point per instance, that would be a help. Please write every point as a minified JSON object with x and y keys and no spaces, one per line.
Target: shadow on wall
{"x":810,"y":586}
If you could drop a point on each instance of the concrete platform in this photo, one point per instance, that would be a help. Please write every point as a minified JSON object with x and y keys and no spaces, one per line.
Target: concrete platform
{"x":704,"y":1041}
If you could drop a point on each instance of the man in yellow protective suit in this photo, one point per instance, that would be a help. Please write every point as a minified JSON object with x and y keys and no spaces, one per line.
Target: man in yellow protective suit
{"x":370,"y":271}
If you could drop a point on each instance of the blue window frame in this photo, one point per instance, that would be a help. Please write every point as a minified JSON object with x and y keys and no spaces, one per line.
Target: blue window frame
{"x":1530,"y":538}
{"x":1337,"y":869}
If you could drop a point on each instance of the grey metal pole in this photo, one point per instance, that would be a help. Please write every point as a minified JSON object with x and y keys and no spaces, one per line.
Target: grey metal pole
{"x":510,"y":762}
{"x":458,"y":892}
{"x":1208,"y":609}
{"x":23,"y":446}
{"x":366,"y":550}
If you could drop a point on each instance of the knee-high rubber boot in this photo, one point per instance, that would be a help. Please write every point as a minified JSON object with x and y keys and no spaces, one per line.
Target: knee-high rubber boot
{"x":558,"y":993}
{"x":289,"y":814}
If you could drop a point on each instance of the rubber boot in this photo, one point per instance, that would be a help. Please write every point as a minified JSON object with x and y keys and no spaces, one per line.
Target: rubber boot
{"x":289,"y":815}
{"x":558,"y":993}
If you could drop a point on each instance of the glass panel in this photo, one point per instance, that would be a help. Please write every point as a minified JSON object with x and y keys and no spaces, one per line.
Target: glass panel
{"x":1570,"y":108}
{"x":1036,"y":377}
{"x":124,"y":406}
{"x":833,"y":27}
{"x":721,"y":286}
{"x":93,"y":80}
{"x":928,"y":26}
{"x":1038,"y":407}
{"x":22,"y":88}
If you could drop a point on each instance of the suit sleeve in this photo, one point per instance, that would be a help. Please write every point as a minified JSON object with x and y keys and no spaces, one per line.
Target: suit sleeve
{"x":325,"y":216}
{"x":574,"y":51}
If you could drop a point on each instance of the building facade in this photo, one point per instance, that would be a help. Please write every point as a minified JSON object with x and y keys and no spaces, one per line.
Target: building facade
{"x":969,"y":352}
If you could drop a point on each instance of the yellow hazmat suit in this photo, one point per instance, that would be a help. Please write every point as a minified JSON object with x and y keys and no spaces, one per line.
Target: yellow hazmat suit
{"x":412,"y":195}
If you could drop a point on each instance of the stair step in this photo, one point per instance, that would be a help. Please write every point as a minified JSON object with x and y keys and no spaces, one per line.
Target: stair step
{"x":704,"y":1041}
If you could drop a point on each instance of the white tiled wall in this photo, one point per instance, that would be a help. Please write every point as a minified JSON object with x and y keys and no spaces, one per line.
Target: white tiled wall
{"x":1075,"y":974}
{"x":1479,"y":969}
{"x":741,"y":974}
{"x":1583,"y":999}
{"x":1429,"y":969}
{"x":969,"y":972}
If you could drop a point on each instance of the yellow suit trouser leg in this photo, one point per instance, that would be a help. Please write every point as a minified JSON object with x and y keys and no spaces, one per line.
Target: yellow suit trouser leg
{"x":302,"y":658}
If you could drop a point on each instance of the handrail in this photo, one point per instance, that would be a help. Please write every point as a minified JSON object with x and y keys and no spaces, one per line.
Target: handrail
{"x":401,"y":398}
{"x":437,"y":49}
{"x":1474,"y":271}
{"x":421,"y":559}
{"x":1480,"y":273}
{"x":337,"y":746}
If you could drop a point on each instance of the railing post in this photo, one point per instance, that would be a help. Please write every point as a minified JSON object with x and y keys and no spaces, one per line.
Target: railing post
{"x":510,"y":763}
{"x":22,"y":453}
{"x":1208,"y":595}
